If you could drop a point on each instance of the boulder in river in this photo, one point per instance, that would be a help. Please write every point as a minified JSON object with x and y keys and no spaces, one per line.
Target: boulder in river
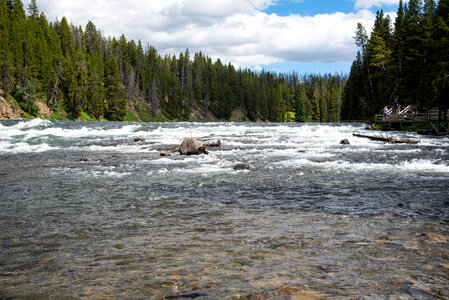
{"x":344,"y":142}
{"x":191,"y":146}
{"x":138,"y":139}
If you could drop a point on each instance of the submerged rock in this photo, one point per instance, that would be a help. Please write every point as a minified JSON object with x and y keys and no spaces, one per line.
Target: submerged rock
{"x":169,"y":151}
{"x":190,"y":295}
{"x":241,"y":167}
{"x":82,"y":159}
{"x":435,"y":238}
{"x":138,"y":139}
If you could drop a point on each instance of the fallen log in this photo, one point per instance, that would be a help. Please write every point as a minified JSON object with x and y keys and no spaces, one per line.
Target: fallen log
{"x":190,"y":146}
{"x":387,"y":139}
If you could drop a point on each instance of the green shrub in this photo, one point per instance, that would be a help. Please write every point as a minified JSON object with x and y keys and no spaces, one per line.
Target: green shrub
{"x":26,"y":97}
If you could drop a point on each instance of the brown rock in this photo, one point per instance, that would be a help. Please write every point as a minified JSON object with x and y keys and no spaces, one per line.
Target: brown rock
{"x":42,"y":108}
{"x":238,"y":116}
{"x":8,"y":110}
{"x":241,"y":167}
{"x":190,"y":146}
{"x":169,"y":151}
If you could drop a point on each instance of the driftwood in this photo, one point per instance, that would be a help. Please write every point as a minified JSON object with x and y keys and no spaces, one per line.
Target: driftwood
{"x":190,"y":146}
{"x":387,"y":139}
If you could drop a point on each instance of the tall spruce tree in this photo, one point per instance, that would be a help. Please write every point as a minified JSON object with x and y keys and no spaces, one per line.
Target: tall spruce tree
{"x":114,"y":91}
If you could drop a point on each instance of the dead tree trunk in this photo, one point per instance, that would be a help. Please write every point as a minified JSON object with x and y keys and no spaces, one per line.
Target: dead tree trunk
{"x":386,"y":139}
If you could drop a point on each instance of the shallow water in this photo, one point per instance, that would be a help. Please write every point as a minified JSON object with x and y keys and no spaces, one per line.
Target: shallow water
{"x":310,"y":219}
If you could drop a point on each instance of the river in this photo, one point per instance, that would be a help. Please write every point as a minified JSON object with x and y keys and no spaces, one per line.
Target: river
{"x":86,"y":212}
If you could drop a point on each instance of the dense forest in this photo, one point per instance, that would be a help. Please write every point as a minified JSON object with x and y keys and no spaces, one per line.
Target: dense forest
{"x":408,"y":60}
{"x":77,"y":72}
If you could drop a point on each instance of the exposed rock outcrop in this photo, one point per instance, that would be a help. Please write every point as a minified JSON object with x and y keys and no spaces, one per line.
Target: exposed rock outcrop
{"x":8,"y":110}
{"x":42,"y":109}
{"x":238,"y":116}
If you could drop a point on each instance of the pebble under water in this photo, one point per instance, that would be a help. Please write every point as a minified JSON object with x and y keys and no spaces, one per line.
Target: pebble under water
{"x":86,"y":212}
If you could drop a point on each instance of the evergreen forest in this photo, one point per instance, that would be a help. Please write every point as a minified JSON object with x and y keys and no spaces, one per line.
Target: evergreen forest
{"x":77,"y":72}
{"x":406,"y":59}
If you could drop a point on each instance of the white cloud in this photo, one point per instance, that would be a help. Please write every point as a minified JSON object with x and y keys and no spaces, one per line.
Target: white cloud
{"x":235,"y":31}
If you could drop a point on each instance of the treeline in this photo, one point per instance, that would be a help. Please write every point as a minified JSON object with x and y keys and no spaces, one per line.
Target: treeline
{"x":76,"y":71}
{"x":408,"y":60}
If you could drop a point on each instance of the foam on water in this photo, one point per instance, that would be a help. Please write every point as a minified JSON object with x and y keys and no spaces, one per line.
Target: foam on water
{"x":277,"y":145}
{"x":23,"y":147}
{"x":413,"y":167}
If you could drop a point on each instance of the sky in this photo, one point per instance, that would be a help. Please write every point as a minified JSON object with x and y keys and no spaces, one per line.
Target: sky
{"x":303,"y":36}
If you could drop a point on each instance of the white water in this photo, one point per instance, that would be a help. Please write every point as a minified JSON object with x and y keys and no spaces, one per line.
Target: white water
{"x":279,"y":146}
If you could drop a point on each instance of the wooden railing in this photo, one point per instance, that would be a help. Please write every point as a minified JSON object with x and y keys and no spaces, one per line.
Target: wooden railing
{"x":406,"y":110}
{"x":407,"y":116}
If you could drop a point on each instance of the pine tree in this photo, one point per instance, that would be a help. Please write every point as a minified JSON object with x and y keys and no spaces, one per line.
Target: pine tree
{"x":6,"y":57}
{"x":413,"y":59}
{"x":440,"y":80}
{"x":65,"y":37}
{"x":300,"y":110}
{"x":33,"y":10}
{"x":17,"y":38}
{"x":114,"y":91}
{"x":154,"y":98}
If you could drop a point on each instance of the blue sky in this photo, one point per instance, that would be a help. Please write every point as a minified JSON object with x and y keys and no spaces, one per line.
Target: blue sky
{"x":305,"y":36}
{"x":314,"y":7}
{"x":311,"y":7}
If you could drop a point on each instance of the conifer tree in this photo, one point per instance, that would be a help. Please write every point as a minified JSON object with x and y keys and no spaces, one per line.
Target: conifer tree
{"x":300,"y":110}
{"x":114,"y":91}
{"x":154,"y":98}
{"x":440,"y":79}
{"x":6,"y":57}
{"x":33,"y":10}
{"x":65,"y":37}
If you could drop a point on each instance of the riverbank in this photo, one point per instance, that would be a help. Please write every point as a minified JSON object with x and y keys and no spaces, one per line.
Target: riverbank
{"x":136,"y":111}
